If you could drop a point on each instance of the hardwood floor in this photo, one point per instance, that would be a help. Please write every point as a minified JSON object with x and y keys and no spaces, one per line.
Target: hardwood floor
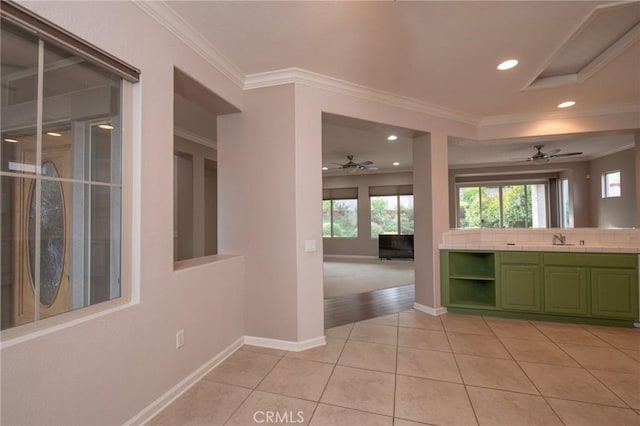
{"x":362,"y":306}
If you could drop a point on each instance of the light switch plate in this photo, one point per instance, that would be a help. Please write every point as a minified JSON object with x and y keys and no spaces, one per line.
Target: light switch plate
{"x":310,"y":246}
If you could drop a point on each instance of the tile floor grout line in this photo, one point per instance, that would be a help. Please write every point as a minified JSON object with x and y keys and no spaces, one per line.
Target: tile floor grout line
{"x":253,"y":390}
{"x":333,"y":370}
{"x":624,"y":401}
{"x":395,"y":375}
{"x":579,"y":368}
{"x":355,"y":409}
{"x":608,"y":345}
{"x":527,"y":376}
{"x":466,"y":391}
{"x":595,"y":377}
{"x":589,"y":403}
{"x":553,"y":410}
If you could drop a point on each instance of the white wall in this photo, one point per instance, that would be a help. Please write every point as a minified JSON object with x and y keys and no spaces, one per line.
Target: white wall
{"x":363,"y":245}
{"x":256,"y":151}
{"x":615,"y":212}
{"x":105,"y":370}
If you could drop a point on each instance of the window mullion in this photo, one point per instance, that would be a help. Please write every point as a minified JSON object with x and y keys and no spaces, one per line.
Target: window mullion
{"x":398,"y":213}
{"x":501,"y":206}
{"x":480,"y":206}
{"x":526,"y":207}
{"x":331,"y":213}
{"x":38,"y":182}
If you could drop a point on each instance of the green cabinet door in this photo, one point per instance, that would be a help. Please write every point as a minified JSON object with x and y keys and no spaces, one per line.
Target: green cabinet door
{"x":614,"y":293}
{"x":565,"y":290}
{"x":521,"y":288}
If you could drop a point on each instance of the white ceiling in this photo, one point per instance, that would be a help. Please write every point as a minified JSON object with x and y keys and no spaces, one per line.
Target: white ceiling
{"x":443,"y":53}
{"x":367,"y":141}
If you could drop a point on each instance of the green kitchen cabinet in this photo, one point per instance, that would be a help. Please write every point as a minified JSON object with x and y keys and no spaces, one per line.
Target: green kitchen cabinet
{"x":614,"y":293}
{"x":521,"y":288}
{"x":594,"y":288}
{"x":566,"y":290}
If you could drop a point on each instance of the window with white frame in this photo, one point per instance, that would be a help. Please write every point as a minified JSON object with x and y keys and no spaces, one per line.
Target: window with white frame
{"x":391,"y":210}
{"x":340,"y":213}
{"x":61,"y":170}
{"x":611,"y":184}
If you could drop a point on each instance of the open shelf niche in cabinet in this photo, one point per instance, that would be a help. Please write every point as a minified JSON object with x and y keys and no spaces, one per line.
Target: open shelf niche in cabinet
{"x":472,"y":279}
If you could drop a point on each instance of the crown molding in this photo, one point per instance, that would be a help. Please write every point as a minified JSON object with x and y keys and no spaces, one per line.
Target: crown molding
{"x":176,"y":25}
{"x":320,"y":81}
{"x":632,"y":107}
{"x":193,"y":137}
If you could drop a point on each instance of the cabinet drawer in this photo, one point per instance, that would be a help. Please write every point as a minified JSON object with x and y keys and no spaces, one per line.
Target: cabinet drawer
{"x":605,"y":260}
{"x":520,"y":257}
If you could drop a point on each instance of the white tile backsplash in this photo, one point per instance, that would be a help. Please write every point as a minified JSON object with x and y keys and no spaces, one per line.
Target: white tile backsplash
{"x":609,"y":240}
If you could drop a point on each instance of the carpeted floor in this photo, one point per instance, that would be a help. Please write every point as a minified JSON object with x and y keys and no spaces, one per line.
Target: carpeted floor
{"x":344,"y":277}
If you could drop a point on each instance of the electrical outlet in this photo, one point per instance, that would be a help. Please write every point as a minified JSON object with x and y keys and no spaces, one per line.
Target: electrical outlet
{"x":179,"y":339}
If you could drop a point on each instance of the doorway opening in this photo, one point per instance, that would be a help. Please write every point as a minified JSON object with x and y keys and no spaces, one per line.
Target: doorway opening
{"x":367,"y":213}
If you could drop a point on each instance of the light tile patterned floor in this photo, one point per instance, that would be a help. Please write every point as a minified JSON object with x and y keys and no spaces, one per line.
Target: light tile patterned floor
{"x":411,"y":368}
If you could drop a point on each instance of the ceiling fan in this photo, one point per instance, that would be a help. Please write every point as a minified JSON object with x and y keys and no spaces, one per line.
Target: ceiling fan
{"x":543,"y":157}
{"x":352,"y":166}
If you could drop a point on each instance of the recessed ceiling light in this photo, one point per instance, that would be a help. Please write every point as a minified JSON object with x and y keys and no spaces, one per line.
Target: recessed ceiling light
{"x":55,"y":134}
{"x":325,"y":168}
{"x":392,"y":137}
{"x":11,"y":140}
{"x":508,"y":64}
{"x":395,"y":163}
{"x":566,"y":104}
{"x":106,"y":126}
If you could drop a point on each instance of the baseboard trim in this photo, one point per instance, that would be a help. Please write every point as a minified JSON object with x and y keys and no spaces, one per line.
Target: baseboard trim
{"x":184,"y":385}
{"x":429,"y":310}
{"x":285,"y":345}
{"x":350,"y":256}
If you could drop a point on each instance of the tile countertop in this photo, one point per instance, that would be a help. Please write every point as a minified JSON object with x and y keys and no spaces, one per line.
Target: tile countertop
{"x":529,"y":246}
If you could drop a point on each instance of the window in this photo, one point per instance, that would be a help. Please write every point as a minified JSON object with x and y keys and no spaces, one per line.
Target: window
{"x":340,"y":213}
{"x":611,"y":184}
{"x":502,"y":206}
{"x":391,"y":214}
{"x":567,"y":221}
{"x":61,"y":171}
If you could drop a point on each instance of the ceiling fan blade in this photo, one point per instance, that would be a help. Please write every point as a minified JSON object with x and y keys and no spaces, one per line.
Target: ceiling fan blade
{"x":568,"y":154}
{"x":338,"y":164}
{"x":365,"y":163}
{"x":552,"y":152}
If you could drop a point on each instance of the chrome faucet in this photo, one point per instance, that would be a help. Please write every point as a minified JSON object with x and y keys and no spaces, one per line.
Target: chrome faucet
{"x":559,"y":239}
